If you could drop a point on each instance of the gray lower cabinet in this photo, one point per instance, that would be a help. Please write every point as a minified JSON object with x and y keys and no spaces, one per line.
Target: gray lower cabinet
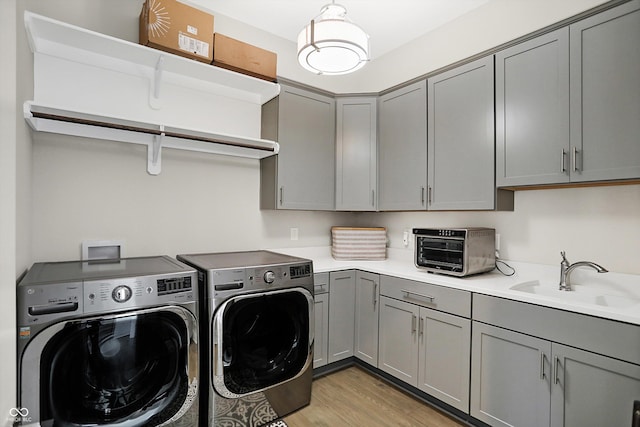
{"x":356,"y":154}
{"x":605,"y":95}
{"x":520,"y":380}
{"x":398,"y":354}
{"x":510,"y":384}
{"x":402,"y":148}
{"x":366,"y":317}
{"x":302,"y":175}
{"x":424,"y":347}
{"x":461,"y":138}
{"x":538,"y":366}
{"x":532,"y":111}
{"x":590,"y":390}
{"x":321,"y":326}
{"x":342,"y":299}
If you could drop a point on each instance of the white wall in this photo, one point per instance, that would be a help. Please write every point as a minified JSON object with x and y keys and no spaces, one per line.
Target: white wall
{"x":600,"y":224}
{"x":7,"y":207}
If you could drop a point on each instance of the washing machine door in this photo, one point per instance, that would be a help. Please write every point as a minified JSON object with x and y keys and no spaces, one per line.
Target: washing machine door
{"x":261,"y":340}
{"x":126,"y":370}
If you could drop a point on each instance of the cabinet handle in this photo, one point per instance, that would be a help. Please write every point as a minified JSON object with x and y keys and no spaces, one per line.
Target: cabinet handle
{"x":281,"y":193}
{"x":563,"y":160}
{"x":414,"y":320}
{"x":375,"y":294}
{"x":429,"y":297}
{"x":342,"y":277}
{"x":422,"y":195}
{"x":636,"y":414}
{"x":429,"y":195}
{"x":318,"y":288}
{"x":421,"y":326}
{"x":542,"y":373}
{"x":373,"y":197}
{"x":556,"y":366}
{"x":574,"y":158}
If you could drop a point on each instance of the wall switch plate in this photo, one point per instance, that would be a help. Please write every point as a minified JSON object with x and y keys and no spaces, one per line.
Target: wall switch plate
{"x":497,"y":242}
{"x":294,"y":233}
{"x":405,"y":238}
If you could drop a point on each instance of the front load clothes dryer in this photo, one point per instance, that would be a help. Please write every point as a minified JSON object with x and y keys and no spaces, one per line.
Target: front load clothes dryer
{"x":108,"y":343}
{"x":257,"y":326}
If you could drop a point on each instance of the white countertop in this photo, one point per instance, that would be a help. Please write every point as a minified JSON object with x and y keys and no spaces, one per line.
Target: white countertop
{"x":624,"y":288}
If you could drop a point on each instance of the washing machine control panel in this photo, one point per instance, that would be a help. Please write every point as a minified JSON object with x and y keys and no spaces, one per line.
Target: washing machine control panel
{"x":233,"y":280}
{"x":137,"y":292}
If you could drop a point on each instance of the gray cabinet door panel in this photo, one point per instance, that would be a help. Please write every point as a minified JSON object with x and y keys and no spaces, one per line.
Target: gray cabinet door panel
{"x":605,"y":95}
{"x":510,"y":380}
{"x":306,"y":161}
{"x":444,"y":357}
{"x":366,"y":313}
{"x":398,"y":353}
{"x":590,"y":390}
{"x":532,"y":111}
{"x":402,"y":132}
{"x":321,"y":338}
{"x":461,"y":138}
{"x":342,"y":299}
{"x":356,"y":152}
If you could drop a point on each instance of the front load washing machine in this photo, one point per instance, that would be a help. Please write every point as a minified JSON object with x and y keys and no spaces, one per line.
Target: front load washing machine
{"x":257,"y":326}
{"x":109,"y":343}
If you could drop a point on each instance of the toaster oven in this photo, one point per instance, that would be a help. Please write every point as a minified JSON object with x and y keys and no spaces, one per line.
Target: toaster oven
{"x":455,"y":251}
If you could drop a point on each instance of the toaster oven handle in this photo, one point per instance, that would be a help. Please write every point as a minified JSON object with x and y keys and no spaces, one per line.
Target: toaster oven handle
{"x":429,"y":297}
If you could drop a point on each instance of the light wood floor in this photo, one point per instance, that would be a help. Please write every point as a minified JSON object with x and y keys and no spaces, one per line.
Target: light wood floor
{"x":353,"y":397}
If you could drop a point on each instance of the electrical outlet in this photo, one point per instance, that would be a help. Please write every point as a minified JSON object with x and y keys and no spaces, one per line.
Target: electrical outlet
{"x":497,"y":242}
{"x":294,"y":233}
{"x":405,"y":238}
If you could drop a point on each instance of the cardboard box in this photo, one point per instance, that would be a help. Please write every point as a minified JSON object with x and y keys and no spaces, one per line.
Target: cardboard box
{"x":175,"y":27}
{"x":242,"y":57}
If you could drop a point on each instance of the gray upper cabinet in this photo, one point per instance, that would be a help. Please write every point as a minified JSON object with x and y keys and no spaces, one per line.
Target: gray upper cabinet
{"x":532,"y":111}
{"x":356,"y":152}
{"x":302,"y":175}
{"x":461,"y":138}
{"x":402,"y":148}
{"x":605,"y":95}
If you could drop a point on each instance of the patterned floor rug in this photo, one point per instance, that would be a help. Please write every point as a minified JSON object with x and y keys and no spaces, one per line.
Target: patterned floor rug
{"x":252,"y":410}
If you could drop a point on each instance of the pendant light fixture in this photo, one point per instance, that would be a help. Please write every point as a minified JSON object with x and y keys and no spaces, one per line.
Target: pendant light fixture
{"x":331,"y":44}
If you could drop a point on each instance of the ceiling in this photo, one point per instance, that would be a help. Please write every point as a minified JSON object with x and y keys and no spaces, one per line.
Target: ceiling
{"x":389,"y":24}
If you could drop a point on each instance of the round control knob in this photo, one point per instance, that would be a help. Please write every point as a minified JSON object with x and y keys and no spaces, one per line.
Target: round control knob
{"x":269,"y":276}
{"x":121,"y":293}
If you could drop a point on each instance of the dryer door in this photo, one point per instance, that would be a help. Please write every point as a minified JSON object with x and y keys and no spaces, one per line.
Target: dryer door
{"x":261,"y":340}
{"x":126,"y":370}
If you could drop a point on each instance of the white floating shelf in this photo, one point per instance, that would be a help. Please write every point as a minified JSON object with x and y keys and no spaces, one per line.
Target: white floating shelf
{"x":155,"y":136}
{"x":55,"y":38}
{"x":97,"y":86}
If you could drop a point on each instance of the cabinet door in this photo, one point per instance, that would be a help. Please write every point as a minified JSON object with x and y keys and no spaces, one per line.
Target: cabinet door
{"x":605,"y":95}
{"x":461,"y":138}
{"x":321,"y":338}
{"x":398,"y":353}
{"x":342,"y":299}
{"x":366,"y":312}
{"x":356,"y":152}
{"x":510,"y":384}
{"x":445,"y":357}
{"x":532,"y":111}
{"x":302,"y":175}
{"x":402,"y":126}
{"x":590,"y":390}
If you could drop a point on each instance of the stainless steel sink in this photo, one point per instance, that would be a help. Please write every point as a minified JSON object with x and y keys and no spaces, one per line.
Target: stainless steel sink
{"x":583,"y":294}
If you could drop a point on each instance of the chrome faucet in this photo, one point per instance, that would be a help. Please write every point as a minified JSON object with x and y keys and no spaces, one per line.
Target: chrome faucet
{"x":566,"y":269}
